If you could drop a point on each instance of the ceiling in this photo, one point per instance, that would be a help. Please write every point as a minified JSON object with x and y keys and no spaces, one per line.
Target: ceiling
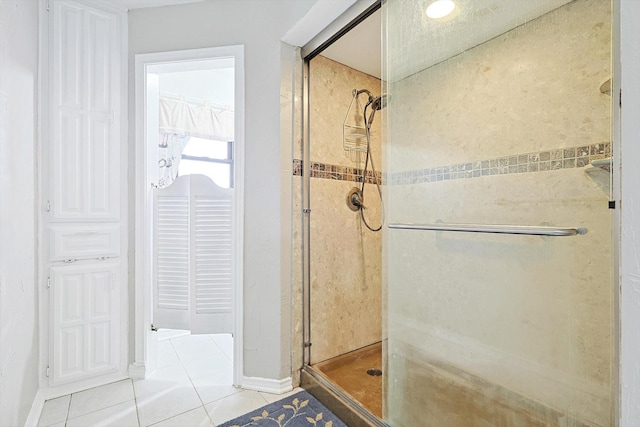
{"x":360,"y":48}
{"x":430,"y":42}
{"x":138,"y":4}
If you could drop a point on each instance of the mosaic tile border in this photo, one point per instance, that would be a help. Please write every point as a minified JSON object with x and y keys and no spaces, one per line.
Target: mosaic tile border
{"x":541,"y":161}
{"x":336,"y":172}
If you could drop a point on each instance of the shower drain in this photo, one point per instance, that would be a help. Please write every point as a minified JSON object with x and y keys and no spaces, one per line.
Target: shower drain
{"x":374,"y":372}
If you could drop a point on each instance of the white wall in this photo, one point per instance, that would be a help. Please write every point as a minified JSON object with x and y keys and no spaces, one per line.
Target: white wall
{"x":18,"y":303}
{"x":259,"y":25}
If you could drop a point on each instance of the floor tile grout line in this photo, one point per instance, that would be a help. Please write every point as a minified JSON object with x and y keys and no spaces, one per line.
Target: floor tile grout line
{"x":208,"y":415}
{"x":173,"y":416}
{"x":183,"y":362}
{"x":201,"y":400}
{"x":176,"y":415}
{"x":135,"y":398}
{"x":192,"y":384}
{"x":101,"y":409}
{"x":66,"y":418}
{"x":175,"y":351}
{"x":218,"y":345}
{"x":98,"y":386}
{"x":241,"y":390}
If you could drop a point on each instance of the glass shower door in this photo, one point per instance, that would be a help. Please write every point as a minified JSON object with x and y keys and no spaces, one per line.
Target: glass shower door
{"x":498,"y":241}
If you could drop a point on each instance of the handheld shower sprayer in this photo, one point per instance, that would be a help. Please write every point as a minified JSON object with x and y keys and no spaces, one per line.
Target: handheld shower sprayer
{"x":376,"y":104}
{"x":380,"y":102}
{"x":355,"y":198}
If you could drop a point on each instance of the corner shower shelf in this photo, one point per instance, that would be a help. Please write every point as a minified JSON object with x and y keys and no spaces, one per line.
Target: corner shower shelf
{"x":602,"y":163}
{"x":354,"y":134}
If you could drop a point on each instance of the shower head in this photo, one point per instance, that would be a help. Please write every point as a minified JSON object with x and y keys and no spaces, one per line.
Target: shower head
{"x":377,"y":104}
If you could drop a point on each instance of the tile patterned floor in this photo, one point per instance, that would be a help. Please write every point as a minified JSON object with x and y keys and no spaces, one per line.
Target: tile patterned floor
{"x":191,"y":387}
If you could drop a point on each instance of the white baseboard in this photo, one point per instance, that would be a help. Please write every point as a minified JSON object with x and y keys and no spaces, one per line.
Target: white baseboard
{"x":36,"y":410}
{"x":267,"y":385}
{"x":54,"y":392}
{"x":137,"y":370}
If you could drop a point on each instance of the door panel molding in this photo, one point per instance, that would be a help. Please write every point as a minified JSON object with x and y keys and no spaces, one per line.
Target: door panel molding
{"x":82,"y":241}
{"x":85,"y":328}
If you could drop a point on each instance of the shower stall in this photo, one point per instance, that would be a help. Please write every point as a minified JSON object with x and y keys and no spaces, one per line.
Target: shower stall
{"x":493,"y":269}
{"x":344,"y":328}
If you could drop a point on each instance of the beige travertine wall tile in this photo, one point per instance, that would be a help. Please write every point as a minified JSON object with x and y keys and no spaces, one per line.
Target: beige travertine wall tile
{"x":345,"y":274}
{"x":345,"y":256}
{"x":555,"y":63}
{"x":330,"y":92}
{"x":530,"y":314}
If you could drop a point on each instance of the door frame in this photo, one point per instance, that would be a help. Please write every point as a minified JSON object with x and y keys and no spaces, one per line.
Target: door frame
{"x":143,"y":310}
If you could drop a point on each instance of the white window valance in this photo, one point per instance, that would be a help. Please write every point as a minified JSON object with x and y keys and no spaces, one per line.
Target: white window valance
{"x":177,"y":116}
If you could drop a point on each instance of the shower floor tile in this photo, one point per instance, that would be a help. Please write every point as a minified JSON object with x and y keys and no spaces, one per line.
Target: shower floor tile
{"x":349,"y":372}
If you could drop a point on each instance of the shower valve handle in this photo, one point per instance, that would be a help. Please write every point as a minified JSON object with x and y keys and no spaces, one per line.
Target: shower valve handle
{"x":356,"y":199}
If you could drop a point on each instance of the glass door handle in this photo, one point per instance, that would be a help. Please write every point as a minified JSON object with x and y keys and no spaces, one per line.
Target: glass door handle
{"x":497,"y":229}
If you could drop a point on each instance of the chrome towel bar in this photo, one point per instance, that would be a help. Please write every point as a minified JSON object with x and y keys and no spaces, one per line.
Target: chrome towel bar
{"x":499,"y":229}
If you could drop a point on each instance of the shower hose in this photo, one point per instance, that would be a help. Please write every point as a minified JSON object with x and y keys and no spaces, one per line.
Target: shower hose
{"x":369,"y":158}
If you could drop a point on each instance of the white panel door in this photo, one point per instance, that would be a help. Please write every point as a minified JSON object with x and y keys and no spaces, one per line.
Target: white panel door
{"x":211,"y":257}
{"x":85,"y":148}
{"x":74,"y":241}
{"x":85,"y":327}
{"x":84,"y":191}
{"x":171,"y":255}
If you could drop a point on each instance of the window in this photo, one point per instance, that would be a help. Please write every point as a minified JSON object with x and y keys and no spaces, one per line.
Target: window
{"x":208,"y":157}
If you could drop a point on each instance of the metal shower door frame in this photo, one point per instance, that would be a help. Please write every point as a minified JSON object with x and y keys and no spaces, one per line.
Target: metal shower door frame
{"x":360,"y":11}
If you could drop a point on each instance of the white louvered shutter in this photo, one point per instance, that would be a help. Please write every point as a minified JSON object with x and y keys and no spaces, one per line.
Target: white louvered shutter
{"x":193,"y":256}
{"x":171,"y":255}
{"x":211,"y":257}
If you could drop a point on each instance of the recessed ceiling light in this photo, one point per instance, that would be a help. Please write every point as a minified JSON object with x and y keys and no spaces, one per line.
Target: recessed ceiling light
{"x":440,"y":8}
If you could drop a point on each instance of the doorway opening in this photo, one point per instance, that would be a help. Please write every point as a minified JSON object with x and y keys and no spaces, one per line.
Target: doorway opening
{"x":189,"y":211}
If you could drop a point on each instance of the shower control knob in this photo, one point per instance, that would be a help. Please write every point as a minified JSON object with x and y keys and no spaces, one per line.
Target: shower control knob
{"x":354,"y":200}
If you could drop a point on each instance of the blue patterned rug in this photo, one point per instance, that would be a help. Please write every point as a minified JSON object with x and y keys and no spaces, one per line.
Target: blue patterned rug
{"x":299,"y":410}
